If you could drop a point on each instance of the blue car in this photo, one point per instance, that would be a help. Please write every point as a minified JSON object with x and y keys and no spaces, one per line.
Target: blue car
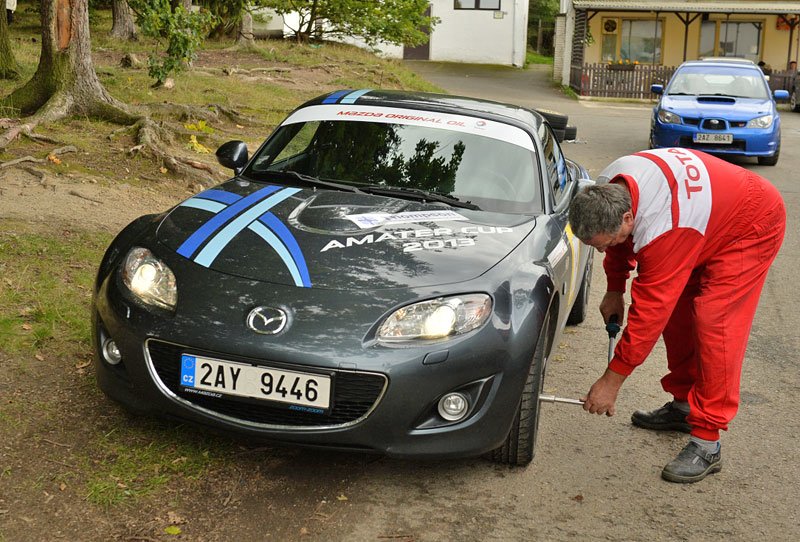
{"x":720,"y":106}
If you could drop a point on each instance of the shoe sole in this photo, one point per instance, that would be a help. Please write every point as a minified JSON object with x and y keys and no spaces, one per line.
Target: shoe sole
{"x":677,"y":478}
{"x":670,"y":426}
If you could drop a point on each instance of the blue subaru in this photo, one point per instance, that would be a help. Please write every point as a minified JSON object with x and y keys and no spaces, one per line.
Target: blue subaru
{"x":721,"y":106}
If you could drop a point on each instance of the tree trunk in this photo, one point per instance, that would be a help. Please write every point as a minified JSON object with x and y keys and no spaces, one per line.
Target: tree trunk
{"x":65,"y":82}
{"x":246,"y":37}
{"x":8,"y":64}
{"x":123,"y":27}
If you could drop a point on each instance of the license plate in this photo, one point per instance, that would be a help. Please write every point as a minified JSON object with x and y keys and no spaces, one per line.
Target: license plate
{"x":713,"y":138}
{"x":200,"y":374}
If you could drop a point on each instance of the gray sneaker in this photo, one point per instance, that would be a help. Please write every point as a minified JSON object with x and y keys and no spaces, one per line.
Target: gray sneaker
{"x":692,"y":465}
{"x":666,"y":418}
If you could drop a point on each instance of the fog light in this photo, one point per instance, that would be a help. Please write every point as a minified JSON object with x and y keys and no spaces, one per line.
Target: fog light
{"x":111,"y":353}
{"x":453,"y":406}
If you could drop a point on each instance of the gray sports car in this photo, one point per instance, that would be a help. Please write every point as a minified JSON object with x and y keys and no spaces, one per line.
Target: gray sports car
{"x":388,"y":272}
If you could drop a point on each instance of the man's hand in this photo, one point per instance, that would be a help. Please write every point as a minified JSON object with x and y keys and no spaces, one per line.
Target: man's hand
{"x":613,"y":303}
{"x":602,"y":396}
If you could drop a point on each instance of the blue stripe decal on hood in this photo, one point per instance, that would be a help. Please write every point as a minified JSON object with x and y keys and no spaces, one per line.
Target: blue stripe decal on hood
{"x":282,"y":240}
{"x":283,"y":233}
{"x":219,"y":195}
{"x":210,"y":252}
{"x":204,"y":204}
{"x":353,"y":96}
{"x":273,"y":241}
{"x":207,"y":230}
{"x":333,"y":98}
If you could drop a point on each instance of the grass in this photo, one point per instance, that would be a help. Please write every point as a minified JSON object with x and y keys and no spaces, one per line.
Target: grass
{"x":133,"y":462}
{"x":532,"y":57}
{"x":45,"y":288}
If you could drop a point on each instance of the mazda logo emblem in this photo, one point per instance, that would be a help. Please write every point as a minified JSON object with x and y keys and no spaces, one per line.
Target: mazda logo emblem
{"x":267,"y":320}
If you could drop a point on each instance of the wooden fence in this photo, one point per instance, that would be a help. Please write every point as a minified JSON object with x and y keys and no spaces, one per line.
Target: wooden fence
{"x":633,"y":81}
{"x":618,"y":81}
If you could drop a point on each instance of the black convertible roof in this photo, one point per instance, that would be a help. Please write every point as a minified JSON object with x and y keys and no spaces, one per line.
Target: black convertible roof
{"x":429,"y":101}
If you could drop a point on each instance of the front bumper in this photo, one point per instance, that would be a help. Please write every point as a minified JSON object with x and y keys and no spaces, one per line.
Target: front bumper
{"x":385,"y":398}
{"x":746,"y":141}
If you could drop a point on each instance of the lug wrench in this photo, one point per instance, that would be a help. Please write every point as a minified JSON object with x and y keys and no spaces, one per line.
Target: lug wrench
{"x":612,"y":328}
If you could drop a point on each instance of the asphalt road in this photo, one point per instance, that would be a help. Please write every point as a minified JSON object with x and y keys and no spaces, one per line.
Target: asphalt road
{"x":598,"y":478}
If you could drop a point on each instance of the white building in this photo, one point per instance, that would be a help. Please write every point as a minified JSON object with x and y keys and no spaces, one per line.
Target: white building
{"x":470,"y":31}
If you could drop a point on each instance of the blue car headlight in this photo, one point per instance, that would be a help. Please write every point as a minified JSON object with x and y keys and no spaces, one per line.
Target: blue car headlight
{"x":668,"y":117}
{"x":436,"y":318}
{"x":761,"y":122}
{"x":149,"y":279}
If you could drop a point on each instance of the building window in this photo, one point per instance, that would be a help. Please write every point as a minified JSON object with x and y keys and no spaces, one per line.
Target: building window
{"x":477,"y":4}
{"x":632,"y":40}
{"x":733,"y":38}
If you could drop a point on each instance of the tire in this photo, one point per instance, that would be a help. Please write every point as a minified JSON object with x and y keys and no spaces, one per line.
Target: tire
{"x":520,"y":445}
{"x":793,"y":101}
{"x":557,"y":121}
{"x":770,"y":160}
{"x":651,"y":141}
{"x":578,"y":313}
{"x":571,"y":133}
{"x":560,"y":134}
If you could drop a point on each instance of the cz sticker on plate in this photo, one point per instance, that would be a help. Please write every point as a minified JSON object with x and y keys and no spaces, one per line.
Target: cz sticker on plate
{"x":305,"y":391}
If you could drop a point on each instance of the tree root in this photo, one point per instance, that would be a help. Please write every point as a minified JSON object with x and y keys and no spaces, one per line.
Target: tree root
{"x":152,"y":138}
{"x":209,"y":113}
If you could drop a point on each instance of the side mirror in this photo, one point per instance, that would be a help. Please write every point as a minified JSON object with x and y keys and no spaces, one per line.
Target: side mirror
{"x":781,"y":94}
{"x":657,"y":89}
{"x":233,"y":155}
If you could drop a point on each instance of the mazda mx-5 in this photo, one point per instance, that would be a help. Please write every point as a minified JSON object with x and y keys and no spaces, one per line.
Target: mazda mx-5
{"x":388,"y":272}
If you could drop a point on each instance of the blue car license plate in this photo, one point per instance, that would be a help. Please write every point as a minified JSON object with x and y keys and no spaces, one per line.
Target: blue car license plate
{"x":725,"y":139}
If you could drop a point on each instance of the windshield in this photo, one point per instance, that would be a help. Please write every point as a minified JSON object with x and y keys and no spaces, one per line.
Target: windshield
{"x":715,"y":81}
{"x":376,"y":151}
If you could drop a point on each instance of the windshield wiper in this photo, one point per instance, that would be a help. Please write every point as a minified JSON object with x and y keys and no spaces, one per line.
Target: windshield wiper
{"x":418,"y":194}
{"x":681,"y":94}
{"x":312,"y":181}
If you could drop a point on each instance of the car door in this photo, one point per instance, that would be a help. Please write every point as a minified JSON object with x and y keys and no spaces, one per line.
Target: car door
{"x":565,"y":256}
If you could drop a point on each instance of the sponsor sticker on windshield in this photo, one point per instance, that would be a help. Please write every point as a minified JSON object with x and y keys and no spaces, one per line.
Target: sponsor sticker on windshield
{"x":372,"y":220}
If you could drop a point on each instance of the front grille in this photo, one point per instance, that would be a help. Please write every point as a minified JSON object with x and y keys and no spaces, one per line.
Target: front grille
{"x":737,"y":145}
{"x":714,"y":124}
{"x":354,"y":393}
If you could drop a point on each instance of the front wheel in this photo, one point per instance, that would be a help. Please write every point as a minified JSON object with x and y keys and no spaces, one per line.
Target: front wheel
{"x":520,"y":445}
{"x":794,"y":103}
{"x":769,"y":160}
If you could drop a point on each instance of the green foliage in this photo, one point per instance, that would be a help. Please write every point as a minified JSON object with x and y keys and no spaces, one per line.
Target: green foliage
{"x":402,"y":22}
{"x":183,"y":31}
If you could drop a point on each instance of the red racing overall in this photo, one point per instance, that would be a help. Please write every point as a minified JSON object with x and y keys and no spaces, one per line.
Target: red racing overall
{"x":705,"y":233}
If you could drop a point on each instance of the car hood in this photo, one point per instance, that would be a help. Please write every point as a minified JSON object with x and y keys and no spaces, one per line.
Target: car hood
{"x":717,"y":106}
{"x":337,"y":240}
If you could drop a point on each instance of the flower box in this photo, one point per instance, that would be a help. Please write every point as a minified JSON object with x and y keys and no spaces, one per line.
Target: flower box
{"x":622,"y":67}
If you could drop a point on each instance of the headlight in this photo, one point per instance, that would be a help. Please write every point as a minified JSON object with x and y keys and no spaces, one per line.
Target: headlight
{"x":149,"y":279}
{"x":761,"y":122}
{"x":437,"y":318}
{"x":668,"y":117}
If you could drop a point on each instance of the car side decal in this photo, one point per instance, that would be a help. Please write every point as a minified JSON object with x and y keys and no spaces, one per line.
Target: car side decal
{"x":257,"y":218}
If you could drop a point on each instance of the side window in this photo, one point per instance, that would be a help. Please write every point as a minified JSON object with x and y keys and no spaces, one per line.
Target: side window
{"x":555,"y":164}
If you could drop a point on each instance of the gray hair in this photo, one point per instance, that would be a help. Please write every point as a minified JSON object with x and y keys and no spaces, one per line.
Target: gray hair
{"x":598,"y":209}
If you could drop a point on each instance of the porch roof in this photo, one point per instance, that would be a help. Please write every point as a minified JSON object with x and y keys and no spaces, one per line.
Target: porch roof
{"x":689,"y":6}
